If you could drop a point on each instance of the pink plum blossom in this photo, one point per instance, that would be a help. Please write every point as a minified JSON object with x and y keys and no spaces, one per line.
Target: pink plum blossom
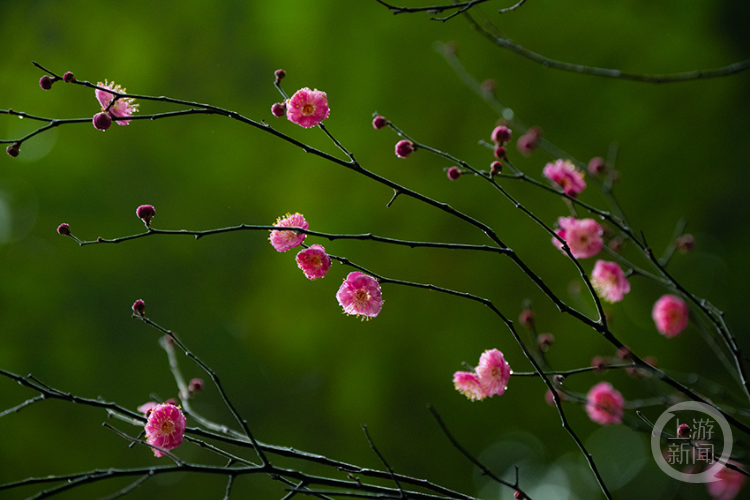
{"x":609,"y":281}
{"x":122,"y":108}
{"x":583,"y":236}
{"x":566,"y":175}
{"x":670,"y":314}
{"x":604,"y":404}
{"x":165,"y":427}
{"x":314,"y":262}
{"x":307,"y":108}
{"x":360,"y":294}
{"x":286,"y":240}
{"x":468,"y":384}
{"x":728,"y":486}
{"x":493,"y":372}
{"x":489,"y":378}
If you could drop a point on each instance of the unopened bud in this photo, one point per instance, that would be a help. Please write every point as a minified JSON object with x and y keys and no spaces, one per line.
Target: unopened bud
{"x":102,"y":121}
{"x":139,"y":308}
{"x":46,"y":82}
{"x":526,"y":318}
{"x":500,"y":135}
{"x":278,"y":109}
{"x":279,"y":75}
{"x":379,"y":122}
{"x":685,"y":243}
{"x":13,"y":150}
{"x":683,"y":430}
{"x":404,"y":148}
{"x":544,"y":340}
{"x":64,"y":229}
{"x":68,"y":77}
{"x":495,"y":168}
{"x":195,"y":385}
{"x":597,"y":165}
{"x":145,"y":212}
{"x":454,"y":173}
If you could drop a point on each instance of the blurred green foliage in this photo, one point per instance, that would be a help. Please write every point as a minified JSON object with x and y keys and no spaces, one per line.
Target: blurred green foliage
{"x":303,"y":374}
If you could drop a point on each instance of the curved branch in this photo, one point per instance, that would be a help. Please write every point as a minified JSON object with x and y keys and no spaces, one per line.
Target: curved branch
{"x":684,"y":76}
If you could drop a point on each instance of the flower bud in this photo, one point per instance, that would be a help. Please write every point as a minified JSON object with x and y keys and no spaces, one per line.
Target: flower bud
{"x":544,"y":340}
{"x":500,"y":153}
{"x":102,"y":121}
{"x":526,"y":318}
{"x":139,"y":308}
{"x":500,"y":135}
{"x":145,"y":212}
{"x":46,"y":82}
{"x":683,"y":430}
{"x":64,"y":229}
{"x":598,"y":363}
{"x":495,"y":168}
{"x":279,"y":75}
{"x":404,"y":148}
{"x":13,"y":150}
{"x":195,"y":385}
{"x":489,"y":86}
{"x":68,"y":77}
{"x":685,"y":243}
{"x":454,"y":173}
{"x":278,"y":109}
{"x":379,"y":122}
{"x":597,"y":166}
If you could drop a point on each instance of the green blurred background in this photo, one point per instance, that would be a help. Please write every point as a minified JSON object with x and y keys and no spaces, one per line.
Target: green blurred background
{"x":303,"y":374}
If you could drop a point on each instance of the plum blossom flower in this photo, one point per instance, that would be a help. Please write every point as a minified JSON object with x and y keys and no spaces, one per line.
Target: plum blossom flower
{"x":609,"y":281}
{"x":604,"y":404}
{"x":489,"y":378}
{"x":670,"y":314}
{"x":122,"y":108}
{"x":165,"y":427}
{"x":728,"y":486}
{"x":314,"y":262}
{"x":307,"y":108}
{"x":566,"y":175}
{"x":468,"y":384}
{"x":493,"y":372}
{"x":583,"y":236}
{"x":285,"y":240}
{"x":360,"y":294}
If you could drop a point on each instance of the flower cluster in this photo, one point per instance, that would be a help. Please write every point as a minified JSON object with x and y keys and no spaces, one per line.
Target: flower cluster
{"x":165,"y":427}
{"x":583,"y":236}
{"x":489,"y":378}
{"x":359,"y":294}
{"x":566,"y":175}
{"x":604,"y":404}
